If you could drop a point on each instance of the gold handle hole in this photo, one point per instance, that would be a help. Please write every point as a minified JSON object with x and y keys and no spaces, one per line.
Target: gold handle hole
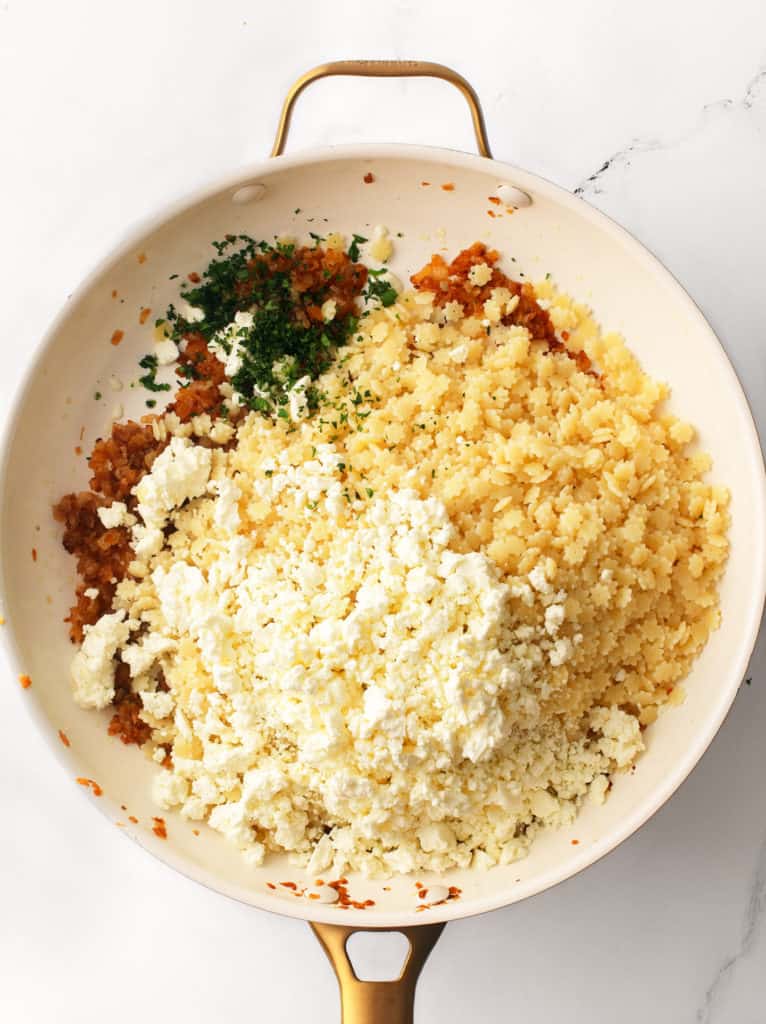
{"x":378,"y":955}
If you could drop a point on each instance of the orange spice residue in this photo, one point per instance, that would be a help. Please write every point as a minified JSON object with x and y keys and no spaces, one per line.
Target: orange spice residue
{"x":144,"y":315}
{"x":271,"y":885}
{"x":64,"y":738}
{"x":425,"y":184}
{"x":575,"y":842}
{"x":25,"y":681}
{"x":132,"y":818}
{"x":491,"y":213}
{"x":493,"y":199}
{"x":448,"y":187}
{"x":565,"y":335}
{"x":77,"y":450}
{"x":114,"y":293}
{"x":368,"y":178}
{"x":117,"y":337}
{"x":288,"y":885}
{"x":90,"y":784}
{"x":159,"y":828}
{"x":195,"y":831}
{"x":34,"y":554}
{"x":344,"y":900}
{"x":194,"y":277}
{"x":141,"y":257}
{"x":313,"y":895}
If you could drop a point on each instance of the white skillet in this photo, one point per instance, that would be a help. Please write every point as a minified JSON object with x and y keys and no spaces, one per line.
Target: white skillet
{"x":550,"y":231}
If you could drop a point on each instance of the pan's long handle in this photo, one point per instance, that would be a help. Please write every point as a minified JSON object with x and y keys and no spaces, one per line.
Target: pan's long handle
{"x":377,"y":1002}
{"x":384,"y":69}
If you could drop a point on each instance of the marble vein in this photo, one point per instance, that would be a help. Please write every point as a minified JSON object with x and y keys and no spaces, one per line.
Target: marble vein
{"x":751,"y":926}
{"x":594,"y":184}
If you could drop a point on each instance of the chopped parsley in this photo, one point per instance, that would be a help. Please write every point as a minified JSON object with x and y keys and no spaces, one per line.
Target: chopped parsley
{"x":284,"y":287}
{"x":149,"y":379}
{"x":353,"y":249}
{"x":381,"y":290}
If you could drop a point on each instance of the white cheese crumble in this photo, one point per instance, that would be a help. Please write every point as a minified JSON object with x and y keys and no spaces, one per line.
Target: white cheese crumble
{"x":166,"y":352}
{"x":93,"y":665}
{"x":379,"y":685}
{"x":115,"y":515}
{"x":225,"y":344}
{"x":178,"y":473}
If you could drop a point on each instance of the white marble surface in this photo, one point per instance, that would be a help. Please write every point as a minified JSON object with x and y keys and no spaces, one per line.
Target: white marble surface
{"x":654,"y":112}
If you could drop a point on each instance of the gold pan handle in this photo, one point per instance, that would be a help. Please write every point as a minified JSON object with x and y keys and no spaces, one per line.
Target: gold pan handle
{"x":384,"y":69}
{"x":377,"y":1002}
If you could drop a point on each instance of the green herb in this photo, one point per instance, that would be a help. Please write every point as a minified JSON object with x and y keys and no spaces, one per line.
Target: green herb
{"x":149,"y":381}
{"x":353,"y":249}
{"x":383,"y":291}
{"x":268,"y":472}
{"x":283,"y":344}
{"x":187,"y":370}
{"x":97,"y":395}
{"x":370,"y":492}
{"x":151,"y":402}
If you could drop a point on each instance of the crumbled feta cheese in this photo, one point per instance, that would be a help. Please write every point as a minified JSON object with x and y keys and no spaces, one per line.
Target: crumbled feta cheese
{"x":179,"y":473}
{"x":226,"y":343}
{"x":169,"y":790}
{"x":621,"y":734}
{"x":115,"y":515}
{"x":297,"y":400}
{"x":166,"y":352}
{"x":191,"y":314}
{"x":159,"y":704}
{"x":539,"y":580}
{"x":93,"y":665}
{"x":554,"y":616}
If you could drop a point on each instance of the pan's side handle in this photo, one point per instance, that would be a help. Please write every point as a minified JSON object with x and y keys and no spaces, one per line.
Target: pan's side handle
{"x":384,"y":69}
{"x":377,"y":1002}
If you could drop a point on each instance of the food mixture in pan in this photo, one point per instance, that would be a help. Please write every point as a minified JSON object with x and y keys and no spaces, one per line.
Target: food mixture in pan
{"x":399,"y":577}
